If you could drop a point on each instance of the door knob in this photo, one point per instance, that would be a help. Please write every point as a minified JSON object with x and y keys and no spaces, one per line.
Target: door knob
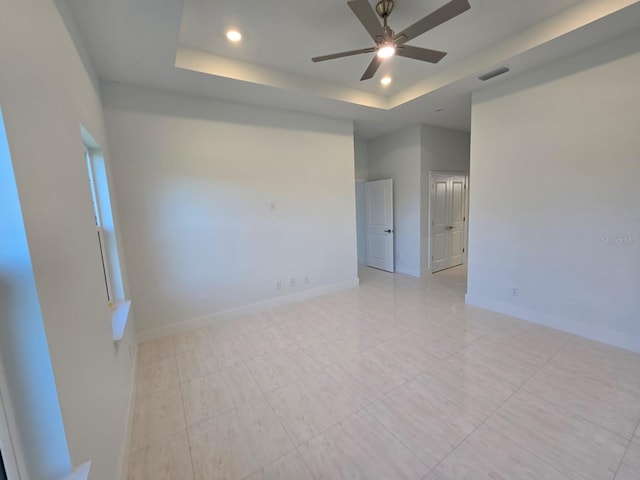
{"x":449,"y":227}
{"x":388,"y":231}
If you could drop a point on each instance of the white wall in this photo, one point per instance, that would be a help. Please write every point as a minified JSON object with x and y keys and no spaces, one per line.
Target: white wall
{"x":397,"y":156}
{"x":27,"y":385}
{"x":361,"y":159}
{"x":45,"y":95}
{"x":442,"y":149}
{"x":555,"y":196}
{"x":198,"y":178}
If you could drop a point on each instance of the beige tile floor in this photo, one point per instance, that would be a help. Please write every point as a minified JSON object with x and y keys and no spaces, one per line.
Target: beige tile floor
{"x":396,"y":379}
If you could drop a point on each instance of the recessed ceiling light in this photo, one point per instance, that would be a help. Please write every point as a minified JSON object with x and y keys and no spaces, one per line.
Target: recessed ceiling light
{"x":385,"y":80}
{"x":234,"y":35}
{"x":439,"y":109}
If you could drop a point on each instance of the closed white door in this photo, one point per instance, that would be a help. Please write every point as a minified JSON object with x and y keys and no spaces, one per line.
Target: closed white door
{"x":447,"y":221}
{"x":379,"y":224}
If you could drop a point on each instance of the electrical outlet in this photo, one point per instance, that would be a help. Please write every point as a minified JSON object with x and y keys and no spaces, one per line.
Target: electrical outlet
{"x":292,"y":282}
{"x":515,"y":292}
{"x":278,"y":285}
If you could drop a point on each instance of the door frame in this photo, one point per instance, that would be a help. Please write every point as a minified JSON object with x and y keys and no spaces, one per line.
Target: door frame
{"x":390,"y":227}
{"x":465,"y":230}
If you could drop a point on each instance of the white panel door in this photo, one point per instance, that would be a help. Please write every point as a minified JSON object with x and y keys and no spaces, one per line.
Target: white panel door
{"x":439,"y":222}
{"x":456,"y":220}
{"x":447,"y":221}
{"x":379,"y":207}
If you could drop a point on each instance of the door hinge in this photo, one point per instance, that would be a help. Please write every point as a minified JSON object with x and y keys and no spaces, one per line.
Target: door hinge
{"x":464,"y":219}
{"x":465,"y":186}
{"x":463,"y":250}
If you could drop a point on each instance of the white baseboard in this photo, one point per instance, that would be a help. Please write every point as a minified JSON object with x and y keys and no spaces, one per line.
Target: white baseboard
{"x":126,"y":444}
{"x":598,"y":334}
{"x":207,"y":320}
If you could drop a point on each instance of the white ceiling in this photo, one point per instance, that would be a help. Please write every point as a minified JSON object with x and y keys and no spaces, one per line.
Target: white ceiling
{"x":285,"y":34}
{"x":180,"y":46}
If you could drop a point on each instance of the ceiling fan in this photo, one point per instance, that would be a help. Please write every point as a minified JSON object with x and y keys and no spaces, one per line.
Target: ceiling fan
{"x":388,"y":43}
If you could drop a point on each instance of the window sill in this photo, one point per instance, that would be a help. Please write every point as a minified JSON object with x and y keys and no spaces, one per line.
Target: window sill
{"x":119,"y":318}
{"x":80,"y":473}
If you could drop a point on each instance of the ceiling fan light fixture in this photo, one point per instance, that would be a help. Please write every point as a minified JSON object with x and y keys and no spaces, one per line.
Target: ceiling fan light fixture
{"x":385,"y":80}
{"x":387,"y":50}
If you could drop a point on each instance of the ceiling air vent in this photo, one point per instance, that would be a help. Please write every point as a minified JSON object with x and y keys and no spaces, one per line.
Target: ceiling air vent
{"x":494,"y":73}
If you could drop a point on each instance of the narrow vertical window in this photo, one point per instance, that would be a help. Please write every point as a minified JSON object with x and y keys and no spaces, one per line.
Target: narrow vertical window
{"x":106,"y":234}
{"x":100,"y":231}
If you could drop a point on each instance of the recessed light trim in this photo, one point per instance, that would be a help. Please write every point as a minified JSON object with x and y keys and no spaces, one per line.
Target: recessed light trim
{"x":386,"y":80}
{"x":234,"y":35}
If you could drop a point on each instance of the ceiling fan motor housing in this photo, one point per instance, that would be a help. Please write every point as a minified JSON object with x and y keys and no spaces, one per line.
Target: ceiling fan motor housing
{"x":384,"y":7}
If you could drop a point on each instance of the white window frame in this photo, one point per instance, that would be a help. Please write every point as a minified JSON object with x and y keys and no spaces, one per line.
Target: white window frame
{"x":119,"y":306}
{"x":104,"y":255}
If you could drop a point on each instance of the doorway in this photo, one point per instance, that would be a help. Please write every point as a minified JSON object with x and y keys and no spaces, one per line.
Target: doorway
{"x":379,"y":224}
{"x":448,"y":220}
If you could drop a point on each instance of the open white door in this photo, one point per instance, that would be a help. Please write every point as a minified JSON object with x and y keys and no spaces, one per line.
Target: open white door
{"x":379,"y":206}
{"x":456,"y":220}
{"x":448,"y":219}
{"x":439,"y":222}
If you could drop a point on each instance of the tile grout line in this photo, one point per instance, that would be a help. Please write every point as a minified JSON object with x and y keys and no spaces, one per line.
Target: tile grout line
{"x":386,"y":428}
{"x":235,"y":408}
{"x":540,"y":397}
{"x":624,"y":455}
{"x":161,"y":390}
{"x":561,"y":407}
{"x":395,"y":389}
{"x":365,"y":407}
{"x":500,"y":406}
{"x":186,"y":425}
{"x":361,"y":409}
{"x":295,"y":445}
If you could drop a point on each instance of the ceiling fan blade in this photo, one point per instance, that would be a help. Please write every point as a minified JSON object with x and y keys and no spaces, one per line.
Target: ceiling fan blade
{"x":417,"y":53}
{"x":372,"y":68}
{"x":343,"y":54}
{"x":443,"y":14}
{"x":368,"y":18}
